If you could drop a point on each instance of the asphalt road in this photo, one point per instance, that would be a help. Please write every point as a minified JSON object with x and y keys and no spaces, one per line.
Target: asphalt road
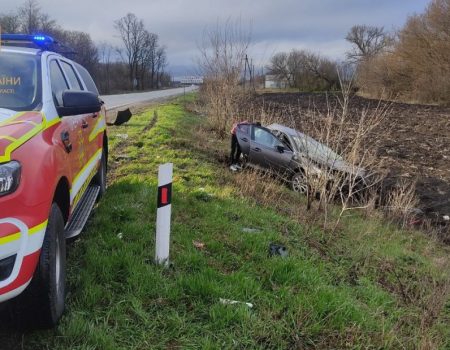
{"x":127,"y":100}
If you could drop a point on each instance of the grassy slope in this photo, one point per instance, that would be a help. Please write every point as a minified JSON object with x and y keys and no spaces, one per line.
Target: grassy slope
{"x":344,"y":298}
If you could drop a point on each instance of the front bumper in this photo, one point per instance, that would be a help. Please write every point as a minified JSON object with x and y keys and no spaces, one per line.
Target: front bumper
{"x":24,"y":244}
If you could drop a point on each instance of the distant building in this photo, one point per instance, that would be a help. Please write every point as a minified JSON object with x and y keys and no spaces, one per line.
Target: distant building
{"x":188,"y":80}
{"x":275,"y":82}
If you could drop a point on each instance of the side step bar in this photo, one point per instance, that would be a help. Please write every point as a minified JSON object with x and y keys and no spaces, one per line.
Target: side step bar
{"x":81,"y":214}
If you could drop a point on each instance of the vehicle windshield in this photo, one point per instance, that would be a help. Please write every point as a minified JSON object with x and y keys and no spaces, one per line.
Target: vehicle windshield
{"x":20,"y":81}
{"x":315,"y":149}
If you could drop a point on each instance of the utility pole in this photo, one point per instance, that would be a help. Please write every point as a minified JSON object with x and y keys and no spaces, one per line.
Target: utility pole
{"x":245,"y":69}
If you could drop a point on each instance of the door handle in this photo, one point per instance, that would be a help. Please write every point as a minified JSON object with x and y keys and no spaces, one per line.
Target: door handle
{"x":257,"y":149}
{"x":84,"y":124}
{"x":244,"y":139}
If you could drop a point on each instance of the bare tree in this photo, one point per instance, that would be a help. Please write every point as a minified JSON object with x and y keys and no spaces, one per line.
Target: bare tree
{"x":105,"y":52}
{"x":161,"y":64}
{"x":367,"y":41}
{"x":221,"y":61}
{"x":133,"y":35}
{"x":33,"y":20}
{"x":10,"y":23}
{"x":147,"y":58}
{"x":305,"y":70}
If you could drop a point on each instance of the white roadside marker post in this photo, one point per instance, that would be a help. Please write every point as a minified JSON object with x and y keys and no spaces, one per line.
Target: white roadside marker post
{"x":163,"y":214}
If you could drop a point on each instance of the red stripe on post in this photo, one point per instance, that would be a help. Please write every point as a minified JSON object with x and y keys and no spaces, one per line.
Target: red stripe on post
{"x":164,"y":198}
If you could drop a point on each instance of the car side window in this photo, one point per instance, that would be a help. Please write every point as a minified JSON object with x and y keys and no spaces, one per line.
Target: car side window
{"x":265,"y":138}
{"x":58,"y":82}
{"x":244,"y":128}
{"x":71,"y":76}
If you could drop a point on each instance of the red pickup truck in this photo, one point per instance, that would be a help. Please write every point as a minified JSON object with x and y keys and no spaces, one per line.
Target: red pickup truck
{"x":53,"y":160}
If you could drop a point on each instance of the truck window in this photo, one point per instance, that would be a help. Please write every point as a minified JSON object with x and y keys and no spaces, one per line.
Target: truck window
{"x":20,"y":81}
{"x":58,"y":82}
{"x":88,"y":81}
{"x":71,"y":75}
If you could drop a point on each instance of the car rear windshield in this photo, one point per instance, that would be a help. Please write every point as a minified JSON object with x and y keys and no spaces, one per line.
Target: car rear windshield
{"x":20,"y":81}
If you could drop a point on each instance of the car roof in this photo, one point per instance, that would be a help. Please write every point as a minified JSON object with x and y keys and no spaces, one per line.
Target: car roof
{"x":285,"y":129}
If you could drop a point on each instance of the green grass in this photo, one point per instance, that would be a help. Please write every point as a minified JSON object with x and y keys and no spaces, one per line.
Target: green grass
{"x":347,"y":297}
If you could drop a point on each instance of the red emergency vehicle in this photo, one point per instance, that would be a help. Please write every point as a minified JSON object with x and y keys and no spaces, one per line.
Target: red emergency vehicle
{"x":53,"y":160}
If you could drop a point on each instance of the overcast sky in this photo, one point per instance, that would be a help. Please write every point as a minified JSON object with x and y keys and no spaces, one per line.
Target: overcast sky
{"x":276,"y":25}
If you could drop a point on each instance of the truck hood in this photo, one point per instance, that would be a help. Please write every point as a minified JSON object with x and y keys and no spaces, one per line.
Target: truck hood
{"x":16,"y":128}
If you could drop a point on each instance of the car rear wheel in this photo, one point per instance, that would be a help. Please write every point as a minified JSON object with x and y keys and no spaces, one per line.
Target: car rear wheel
{"x":299,"y":183}
{"x":42,"y":303}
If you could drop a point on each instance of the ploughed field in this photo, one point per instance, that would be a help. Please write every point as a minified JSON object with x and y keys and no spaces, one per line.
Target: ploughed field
{"x":413,"y":140}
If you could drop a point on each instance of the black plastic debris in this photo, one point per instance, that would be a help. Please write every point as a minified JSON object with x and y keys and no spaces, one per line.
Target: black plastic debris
{"x":123,"y":117}
{"x":277,"y":249}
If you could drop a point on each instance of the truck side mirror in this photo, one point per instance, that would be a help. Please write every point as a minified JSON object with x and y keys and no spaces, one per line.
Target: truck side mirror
{"x":79,"y":102}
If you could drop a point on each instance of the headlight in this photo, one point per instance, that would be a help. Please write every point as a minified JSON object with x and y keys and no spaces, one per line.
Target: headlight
{"x":9,"y":177}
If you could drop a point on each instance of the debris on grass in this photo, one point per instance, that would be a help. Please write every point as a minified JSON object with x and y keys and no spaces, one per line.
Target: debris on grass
{"x":202,"y":195}
{"x":234,"y":302}
{"x":251,"y":230}
{"x":277,"y":249}
{"x":123,"y":117}
{"x":199,"y":245}
{"x":122,"y":136}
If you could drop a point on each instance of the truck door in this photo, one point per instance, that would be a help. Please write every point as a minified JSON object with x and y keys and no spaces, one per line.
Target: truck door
{"x":88,"y":121}
{"x":69,"y":134}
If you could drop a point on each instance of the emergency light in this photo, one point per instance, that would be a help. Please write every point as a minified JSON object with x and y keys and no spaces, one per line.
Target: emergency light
{"x":42,"y":41}
{"x":39,"y":41}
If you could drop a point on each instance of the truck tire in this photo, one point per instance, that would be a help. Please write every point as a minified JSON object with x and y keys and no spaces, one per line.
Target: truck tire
{"x":42,"y":304}
{"x":100,"y":178}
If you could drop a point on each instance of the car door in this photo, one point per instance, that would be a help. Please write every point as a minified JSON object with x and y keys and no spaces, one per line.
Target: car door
{"x":268,"y":151}
{"x":243,"y":136}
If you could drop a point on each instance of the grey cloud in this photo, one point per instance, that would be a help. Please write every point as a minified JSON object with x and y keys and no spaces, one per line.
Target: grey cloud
{"x":276,"y":25}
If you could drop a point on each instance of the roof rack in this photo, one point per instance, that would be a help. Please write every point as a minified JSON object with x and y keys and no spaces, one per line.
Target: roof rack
{"x":39,"y":41}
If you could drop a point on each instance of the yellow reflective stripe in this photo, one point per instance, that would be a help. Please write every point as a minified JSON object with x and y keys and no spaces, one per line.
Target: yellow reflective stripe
{"x":16,"y":143}
{"x":37,"y":228}
{"x":89,"y":163}
{"x":7,"y":121}
{"x":19,"y":142}
{"x":22,"y":122}
{"x":31,"y":231}
{"x":8,"y":138}
{"x":10,"y":238}
{"x":83,"y":188}
{"x":96,"y":130}
{"x":50,"y":123}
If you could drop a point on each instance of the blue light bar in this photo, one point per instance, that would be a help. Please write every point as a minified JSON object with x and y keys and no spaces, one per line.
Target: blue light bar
{"x":42,"y":41}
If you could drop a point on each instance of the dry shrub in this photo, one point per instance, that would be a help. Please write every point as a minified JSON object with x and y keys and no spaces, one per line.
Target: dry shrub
{"x":417,"y":67}
{"x":401,"y":203}
{"x":221,"y":62}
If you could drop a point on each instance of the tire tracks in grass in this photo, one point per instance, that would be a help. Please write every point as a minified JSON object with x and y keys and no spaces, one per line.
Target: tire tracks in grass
{"x":117,"y":159}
